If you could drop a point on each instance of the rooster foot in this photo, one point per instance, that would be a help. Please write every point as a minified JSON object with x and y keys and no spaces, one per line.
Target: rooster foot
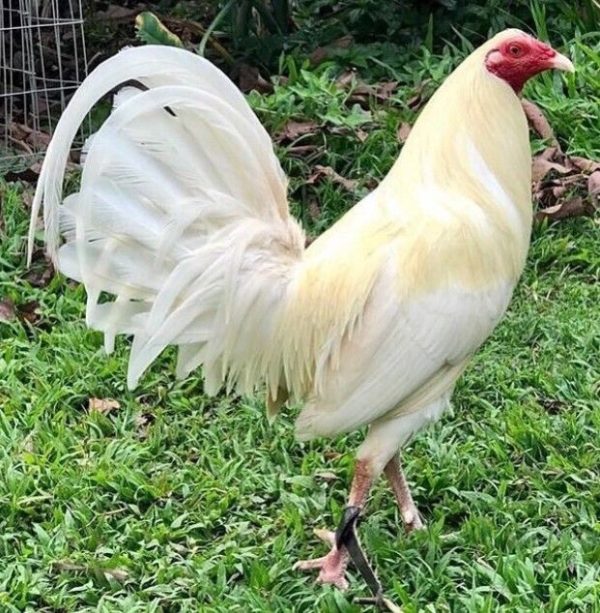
{"x":412,"y":519}
{"x":332,"y":567}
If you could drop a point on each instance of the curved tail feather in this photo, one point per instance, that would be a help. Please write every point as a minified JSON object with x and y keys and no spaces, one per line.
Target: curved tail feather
{"x":181,"y":216}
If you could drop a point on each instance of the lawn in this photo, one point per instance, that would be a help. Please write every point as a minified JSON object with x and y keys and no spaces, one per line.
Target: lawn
{"x":178,"y":502}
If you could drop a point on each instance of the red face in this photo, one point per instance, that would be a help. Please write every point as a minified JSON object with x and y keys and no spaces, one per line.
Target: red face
{"x":521,"y":57}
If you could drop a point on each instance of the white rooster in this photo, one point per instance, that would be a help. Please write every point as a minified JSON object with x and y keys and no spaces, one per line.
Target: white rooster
{"x":182,"y":216}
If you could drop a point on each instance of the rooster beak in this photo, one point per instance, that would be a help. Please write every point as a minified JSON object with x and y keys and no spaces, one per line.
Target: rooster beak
{"x":561,"y":62}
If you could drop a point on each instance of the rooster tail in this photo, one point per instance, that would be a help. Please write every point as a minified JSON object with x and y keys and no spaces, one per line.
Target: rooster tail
{"x":181,"y":217}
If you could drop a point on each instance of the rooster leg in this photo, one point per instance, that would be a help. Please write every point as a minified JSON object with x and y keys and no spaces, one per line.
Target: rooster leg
{"x":333,"y":566}
{"x":382,"y":443}
{"x":408,"y":510}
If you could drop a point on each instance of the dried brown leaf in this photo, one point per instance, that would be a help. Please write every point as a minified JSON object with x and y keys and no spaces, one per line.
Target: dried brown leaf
{"x":313,"y":209}
{"x":294,"y":129}
{"x":403,"y":132}
{"x":551,"y":405}
{"x":8,"y":311}
{"x":29,"y":175}
{"x":538,"y":122}
{"x":249,"y":78}
{"x":301,"y":150}
{"x":27,"y":198}
{"x":584,"y":164}
{"x":385,"y":90}
{"x":38,"y":139}
{"x":593,"y":187}
{"x":380,"y":91}
{"x":554,"y":154}
{"x":41,"y":270}
{"x":541,"y":167}
{"x":346,"y":78}
{"x":19,"y":131}
{"x":117,"y":12}
{"x":327,"y":171}
{"x":320,"y":54}
{"x":102,"y":405}
{"x":362,"y":135}
{"x":420,"y":97}
{"x":117,"y":574}
{"x":568,"y":208}
{"x":28,"y":311}
{"x":142,"y":423}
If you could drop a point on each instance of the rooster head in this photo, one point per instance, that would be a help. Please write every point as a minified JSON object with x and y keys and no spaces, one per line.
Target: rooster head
{"x":515,"y":57}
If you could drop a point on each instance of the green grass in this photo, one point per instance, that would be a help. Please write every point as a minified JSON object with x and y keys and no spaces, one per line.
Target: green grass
{"x":177,"y":502}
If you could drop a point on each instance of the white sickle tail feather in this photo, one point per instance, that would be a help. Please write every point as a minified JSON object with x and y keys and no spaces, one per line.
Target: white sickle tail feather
{"x":181,"y":215}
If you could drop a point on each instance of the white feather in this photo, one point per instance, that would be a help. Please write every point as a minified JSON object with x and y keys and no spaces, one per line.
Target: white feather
{"x":404,"y":355}
{"x":181,"y":216}
{"x":152,"y":66}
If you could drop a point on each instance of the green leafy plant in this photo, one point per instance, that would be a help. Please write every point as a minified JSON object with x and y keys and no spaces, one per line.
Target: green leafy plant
{"x":151,"y":30}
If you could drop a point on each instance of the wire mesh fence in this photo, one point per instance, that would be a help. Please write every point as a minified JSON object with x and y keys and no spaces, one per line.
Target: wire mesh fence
{"x":42,"y":61}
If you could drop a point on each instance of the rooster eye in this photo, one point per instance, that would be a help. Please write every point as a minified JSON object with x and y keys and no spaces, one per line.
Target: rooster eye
{"x":515,"y":50}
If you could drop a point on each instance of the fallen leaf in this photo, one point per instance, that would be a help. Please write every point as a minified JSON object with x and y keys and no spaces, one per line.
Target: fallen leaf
{"x":294,"y":129}
{"x":142,"y":423}
{"x":541,"y":167}
{"x":27,"y":198}
{"x":558,"y":191}
{"x":346,"y":78}
{"x":593,"y":187}
{"x":102,"y":405}
{"x":584,"y":164}
{"x":385,"y":90}
{"x":551,"y":405}
{"x":403,"y":132}
{"x":302,"y":150}
{"x":7,"y":310}
{"x":327,"y":171}
{"x":361,"y":135}
{"x":421,"y":96}
{"x":41,"y":271}
{"x":39,"y":140}
{"x":362,"y":92}
{"x":116,"y":12}
{"x":313,"y":209}
{"x":19,"y":131}
{"x":28,"y":311}
{"x":569,"y":208}
{"x":249,"y":78}
{"x":560,"y":182}
{"x":320,"y":54}
{"x":539,"y":122}
{"x":27,"y":444}
{"x":332,"y":455}
{"x":29,"y":175}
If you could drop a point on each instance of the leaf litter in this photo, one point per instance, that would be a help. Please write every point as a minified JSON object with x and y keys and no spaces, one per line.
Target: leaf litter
{"x":26,"y":312}
{"x":103,"y":405}
{"x":563,"y":186}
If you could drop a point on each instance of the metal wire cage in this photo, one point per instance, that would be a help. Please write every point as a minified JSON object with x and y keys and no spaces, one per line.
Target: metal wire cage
{"x":42,"y":61}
